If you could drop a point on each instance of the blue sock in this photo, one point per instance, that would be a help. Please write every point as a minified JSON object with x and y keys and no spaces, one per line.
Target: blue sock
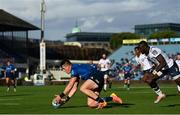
{"x":107,"y":99}
{"x":98,"y":99}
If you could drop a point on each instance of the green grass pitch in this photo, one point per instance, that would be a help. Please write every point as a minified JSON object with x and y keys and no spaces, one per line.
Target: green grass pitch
{"x":139,"y":99}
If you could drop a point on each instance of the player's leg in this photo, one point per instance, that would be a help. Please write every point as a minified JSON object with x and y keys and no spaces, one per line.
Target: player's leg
{"x":13,"y":81}
{"x":105,"y":81}
{"x":87,"y":88}
{"x":8,"y":83}
{"x":94,"y":100}
{"x":91,"y":102}
{"x":110,"y":82}
{"x":174,"y":72}
{"x":177,"y":80}
{"x":125,"y":82}
{"x":128,"y":80}
{"x":94,"y":84}
{"x":152,"y":82}
{"x":128,"y":83}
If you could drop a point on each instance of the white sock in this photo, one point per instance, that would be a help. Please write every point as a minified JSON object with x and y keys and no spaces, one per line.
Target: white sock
{"x":105,"y":86}
{"x":158,"y":92}
{"x":178,"y":87}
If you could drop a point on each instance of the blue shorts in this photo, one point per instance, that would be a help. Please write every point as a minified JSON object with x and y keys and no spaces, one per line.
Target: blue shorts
{"x":11,"y":76}
{"x":98,"y":78}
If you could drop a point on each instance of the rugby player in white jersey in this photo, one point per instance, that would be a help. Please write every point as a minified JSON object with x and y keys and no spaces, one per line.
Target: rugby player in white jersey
{"x":178,"y":63}
{"x":163,"y":65}
{"x":104,"y":65}
{"x":147,"y":67}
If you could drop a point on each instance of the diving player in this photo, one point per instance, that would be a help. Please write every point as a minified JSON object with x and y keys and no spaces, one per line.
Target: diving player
{"x":91,"y":87}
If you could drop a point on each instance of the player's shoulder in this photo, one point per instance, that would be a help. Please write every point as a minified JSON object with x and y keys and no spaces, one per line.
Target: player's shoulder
{"x":101,"y":60}
{"x":154,"y":51}
{"x":142,"y":56}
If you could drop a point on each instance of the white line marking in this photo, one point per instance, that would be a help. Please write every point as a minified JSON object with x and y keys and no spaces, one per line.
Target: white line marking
{"x":145,"y":87}
{"x":11,"y":99}
{"x":10,"y":103}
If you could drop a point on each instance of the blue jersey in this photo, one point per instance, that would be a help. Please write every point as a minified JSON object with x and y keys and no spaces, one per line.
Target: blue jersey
{"x":83,"y":71}
{"x":127,"y":69}
{"x":94,"y":66}
{"x":8,"y":69}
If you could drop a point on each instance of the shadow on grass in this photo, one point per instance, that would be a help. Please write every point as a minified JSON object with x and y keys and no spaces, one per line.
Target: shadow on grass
{"x":124,"y":105}
{"x":171,"y":95}
{"x":110,"y":105}
{"x":172,"y":105}
{"x":75,"y":106}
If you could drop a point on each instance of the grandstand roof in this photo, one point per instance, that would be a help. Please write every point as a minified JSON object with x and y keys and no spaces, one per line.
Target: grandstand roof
{"x":9,"y":22}
{"x":89,"y":34}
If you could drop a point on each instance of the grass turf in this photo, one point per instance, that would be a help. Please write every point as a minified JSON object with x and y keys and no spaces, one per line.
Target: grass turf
{"x":139,"y":99}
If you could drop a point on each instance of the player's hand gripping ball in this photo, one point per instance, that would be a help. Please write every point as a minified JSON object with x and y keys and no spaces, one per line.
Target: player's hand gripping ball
{"x":57,"y":104}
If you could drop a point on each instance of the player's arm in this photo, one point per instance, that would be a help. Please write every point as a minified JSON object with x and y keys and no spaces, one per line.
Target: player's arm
{"x":67,"y":89}
{"x":99,"y":65}
{"x":12,"y":69}
{"x":74,"y":89}
{"x":110,"y":63}
{"x":162,"y":64}
{"x":70,"y":85}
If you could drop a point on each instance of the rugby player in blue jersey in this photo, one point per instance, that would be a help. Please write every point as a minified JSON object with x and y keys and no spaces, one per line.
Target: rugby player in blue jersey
{"x":9,"y":71}
{"x":127,"y":69}
{"x":92,"y":86}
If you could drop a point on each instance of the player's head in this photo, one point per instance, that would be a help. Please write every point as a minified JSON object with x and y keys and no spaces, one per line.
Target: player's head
{"x":66,"y":65}
{"x":91,"y":61}
{"x":104,"y":56}
{"x":8,"y":62}
{"x":178,"y":56}
{"x":144,"y":47}
{"x":137,"y":51}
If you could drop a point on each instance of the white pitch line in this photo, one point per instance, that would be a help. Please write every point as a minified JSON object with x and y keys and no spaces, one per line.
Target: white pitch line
{"x":145,"y":87}
{"x":141,"y":92}
{"x":11,"y":99}
{"x":10,"y":103}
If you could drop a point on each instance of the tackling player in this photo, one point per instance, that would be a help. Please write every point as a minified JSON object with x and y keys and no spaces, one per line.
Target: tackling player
{"x":91,"y":87}
{"x":147,"y":68}
{"x":163,"y":65}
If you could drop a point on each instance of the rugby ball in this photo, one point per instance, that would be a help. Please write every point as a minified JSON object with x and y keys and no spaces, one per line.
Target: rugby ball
{"x":55,"y":104}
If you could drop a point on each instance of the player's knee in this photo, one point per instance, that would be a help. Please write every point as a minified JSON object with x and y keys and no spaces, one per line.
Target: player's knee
{"x":105,"y":76}
{"x":147,"y":78}
{"x":92,"y":104}
{"x":82,"y":89}
{"x":153,"y":83}
{"x":177,"y":80}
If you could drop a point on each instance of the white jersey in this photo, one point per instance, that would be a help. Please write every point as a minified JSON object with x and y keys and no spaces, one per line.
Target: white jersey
{"x":178,"y":63}
{"x":144,"y":62}
{"x":104,"y":64}
{"x":155,"y":52}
